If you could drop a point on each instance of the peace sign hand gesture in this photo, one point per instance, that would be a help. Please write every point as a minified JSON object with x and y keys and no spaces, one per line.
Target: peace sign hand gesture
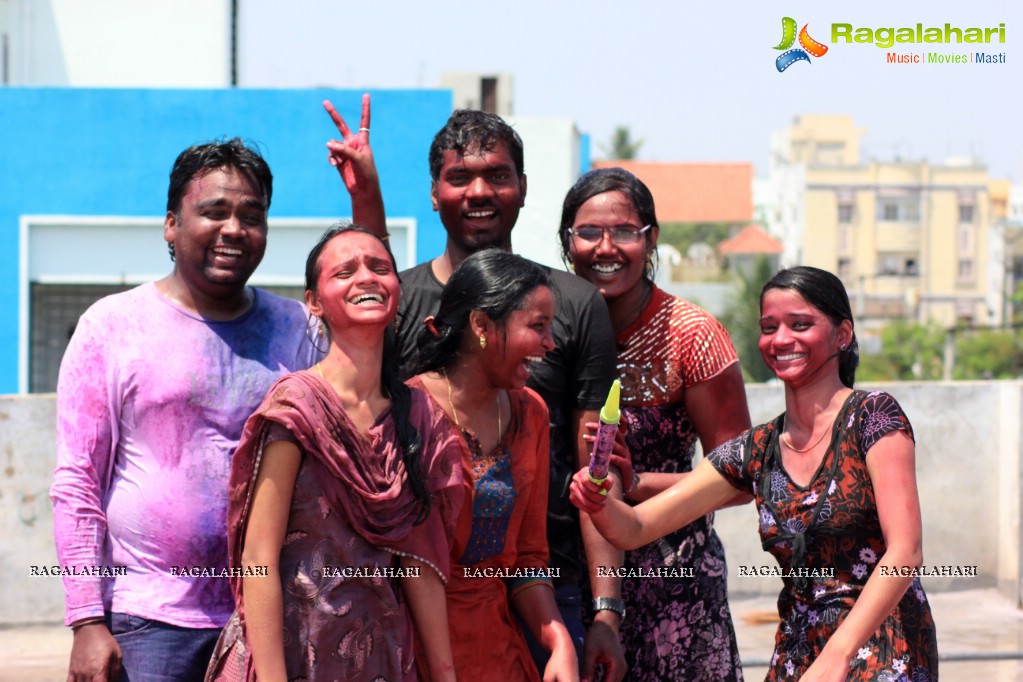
{"x":353,"y":159}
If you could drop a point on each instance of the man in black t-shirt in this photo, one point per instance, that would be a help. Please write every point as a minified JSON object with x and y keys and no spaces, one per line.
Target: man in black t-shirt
{"x":476,"y":163}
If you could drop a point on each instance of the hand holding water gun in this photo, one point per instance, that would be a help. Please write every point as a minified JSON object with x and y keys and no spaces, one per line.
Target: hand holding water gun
{"x":603,"y":444}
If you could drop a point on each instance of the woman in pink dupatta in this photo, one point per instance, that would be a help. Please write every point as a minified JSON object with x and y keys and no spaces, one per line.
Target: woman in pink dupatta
{"x":344,"y":492}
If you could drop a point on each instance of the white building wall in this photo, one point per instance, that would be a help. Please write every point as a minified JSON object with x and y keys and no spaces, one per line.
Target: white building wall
{"x":466,"y":89}
{"x":552,"y":167}
{"x":118,"y":43}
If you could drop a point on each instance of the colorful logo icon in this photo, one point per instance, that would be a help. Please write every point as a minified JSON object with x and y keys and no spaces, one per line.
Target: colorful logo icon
{"x":788,"y":37}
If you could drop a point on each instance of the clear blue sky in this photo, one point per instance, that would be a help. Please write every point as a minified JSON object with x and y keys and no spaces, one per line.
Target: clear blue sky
{"x":695,"y":80}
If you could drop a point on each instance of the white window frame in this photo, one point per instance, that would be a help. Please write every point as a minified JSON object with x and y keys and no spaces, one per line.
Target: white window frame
{"x":63,"y":249}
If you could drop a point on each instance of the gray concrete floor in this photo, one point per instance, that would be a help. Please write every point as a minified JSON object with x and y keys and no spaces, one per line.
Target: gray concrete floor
{"x":971,"y":624}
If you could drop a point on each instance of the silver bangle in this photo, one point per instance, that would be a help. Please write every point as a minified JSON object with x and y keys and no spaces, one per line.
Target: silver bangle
{"x":635,"y":484}
{"x":609,"y":604}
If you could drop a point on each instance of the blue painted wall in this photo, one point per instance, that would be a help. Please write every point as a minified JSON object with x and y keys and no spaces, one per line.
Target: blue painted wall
{"x":109,"y":152}
{"x":585,"y":158}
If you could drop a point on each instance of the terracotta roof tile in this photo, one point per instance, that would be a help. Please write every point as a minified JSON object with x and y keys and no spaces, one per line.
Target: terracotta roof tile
{"x":752,"y":239}
{"x":695,"y":192}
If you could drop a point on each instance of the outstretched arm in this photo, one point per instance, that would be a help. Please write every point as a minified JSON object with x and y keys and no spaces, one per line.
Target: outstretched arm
{"x":718,"y":410}
{"x":704,"y":490}
{"x":353,"y":159}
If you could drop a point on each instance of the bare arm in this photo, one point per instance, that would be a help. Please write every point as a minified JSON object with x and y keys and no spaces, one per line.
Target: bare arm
{"x":702,"y":491}
{"x":602,"y":643}
{"x":536,"y":605}
{"x":891,"y":463}
{"x":427,"y":603}
{"x":264,"y":537}
{"x":719,"y":412}
{"x":353,"y":159}
{"x":95,"y":655}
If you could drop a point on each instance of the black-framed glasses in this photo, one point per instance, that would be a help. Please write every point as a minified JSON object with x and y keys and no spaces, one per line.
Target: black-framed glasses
{"x":620,"y":234}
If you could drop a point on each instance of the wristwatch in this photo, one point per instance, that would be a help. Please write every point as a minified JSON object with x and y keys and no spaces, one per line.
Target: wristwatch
{"x":609,"y":604}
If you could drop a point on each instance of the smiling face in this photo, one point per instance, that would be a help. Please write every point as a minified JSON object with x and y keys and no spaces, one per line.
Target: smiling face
{"x":356,"y":284}
{"x":798,"y":342}
{"x":614,"y":268}
{"x":478,"y":196}
{"x":518,"y":341}
{"x":219,"y":233}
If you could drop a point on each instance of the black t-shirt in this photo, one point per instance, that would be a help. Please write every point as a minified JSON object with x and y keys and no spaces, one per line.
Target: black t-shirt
{"x":576,"y":375}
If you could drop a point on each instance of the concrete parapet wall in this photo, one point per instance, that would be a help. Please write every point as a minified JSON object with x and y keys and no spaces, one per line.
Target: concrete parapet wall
{"x":968,"y":470}
{"x":27,"y":456}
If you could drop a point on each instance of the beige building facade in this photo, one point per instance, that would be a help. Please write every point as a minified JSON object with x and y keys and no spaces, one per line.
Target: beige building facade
{"x":910,"y":239}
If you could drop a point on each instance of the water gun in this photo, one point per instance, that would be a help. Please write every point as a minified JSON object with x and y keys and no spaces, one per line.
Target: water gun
{"x":610,"y":416}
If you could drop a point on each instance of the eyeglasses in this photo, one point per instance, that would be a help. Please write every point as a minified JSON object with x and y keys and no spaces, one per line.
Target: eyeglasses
{"x":620,"y":234}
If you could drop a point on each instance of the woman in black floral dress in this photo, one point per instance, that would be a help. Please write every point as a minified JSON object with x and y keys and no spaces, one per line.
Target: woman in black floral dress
{"x":680,"y":381}
{"x":835,"y":486}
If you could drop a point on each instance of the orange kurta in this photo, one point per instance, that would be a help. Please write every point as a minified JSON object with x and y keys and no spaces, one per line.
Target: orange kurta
{"x":502,"y":529}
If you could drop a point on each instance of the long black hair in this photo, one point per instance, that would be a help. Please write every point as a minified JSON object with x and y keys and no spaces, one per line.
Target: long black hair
{"x":491,"y":281}
{"x":409,"y":441}
{"x":825,"y":292}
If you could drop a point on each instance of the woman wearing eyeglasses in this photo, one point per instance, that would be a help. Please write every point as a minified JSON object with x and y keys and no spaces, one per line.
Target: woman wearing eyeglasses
{"x":680,"y":381}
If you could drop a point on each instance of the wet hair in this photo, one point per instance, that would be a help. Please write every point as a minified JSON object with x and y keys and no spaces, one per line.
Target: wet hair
{"x":601,"y":180}
{"x":469,"y":130}
{"x":409,"y":440}
{"x":200,"y":159}
{"x":825,"y":292}
{"x":491,"y":281}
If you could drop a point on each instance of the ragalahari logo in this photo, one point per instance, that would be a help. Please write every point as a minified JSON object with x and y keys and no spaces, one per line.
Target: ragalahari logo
{"x":788,"y":36}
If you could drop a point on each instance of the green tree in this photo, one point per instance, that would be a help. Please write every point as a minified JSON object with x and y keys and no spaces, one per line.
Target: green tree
{"x":742,"y":319}
{"x":988,"y":354}
{"x":684,"y":235}
{"x":622,"y":147}
{"x":909,"y":351}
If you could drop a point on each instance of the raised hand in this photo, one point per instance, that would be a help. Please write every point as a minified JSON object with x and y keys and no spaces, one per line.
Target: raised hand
{"x":352,"y":156}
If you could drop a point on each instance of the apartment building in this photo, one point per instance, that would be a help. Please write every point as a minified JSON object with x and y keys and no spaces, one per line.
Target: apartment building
{"x":911,"y":239}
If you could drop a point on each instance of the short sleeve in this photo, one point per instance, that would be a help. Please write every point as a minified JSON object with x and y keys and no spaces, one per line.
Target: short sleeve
{"x":708,"y":351}
{"x":731,"y":460}
{"x":276,"y":431}
{"x":879,"y":415}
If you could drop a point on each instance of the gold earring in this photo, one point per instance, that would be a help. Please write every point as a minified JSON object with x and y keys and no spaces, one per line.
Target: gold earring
{"x":483,"y":341}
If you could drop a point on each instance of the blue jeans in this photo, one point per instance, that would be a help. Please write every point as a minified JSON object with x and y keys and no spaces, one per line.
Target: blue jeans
{"x":570,"y":604}
{"x":160,"y":652}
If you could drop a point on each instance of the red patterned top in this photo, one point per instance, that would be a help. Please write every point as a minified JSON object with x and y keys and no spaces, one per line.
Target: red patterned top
{"x":677,"y":628}
{"x":673,"y":345}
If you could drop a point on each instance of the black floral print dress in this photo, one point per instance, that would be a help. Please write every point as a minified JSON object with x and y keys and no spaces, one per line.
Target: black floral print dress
{"x":831,"y":526}
{"x":678,"y":625}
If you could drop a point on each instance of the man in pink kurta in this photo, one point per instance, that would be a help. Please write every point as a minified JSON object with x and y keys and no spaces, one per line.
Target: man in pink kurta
{"x":153,"y":392}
